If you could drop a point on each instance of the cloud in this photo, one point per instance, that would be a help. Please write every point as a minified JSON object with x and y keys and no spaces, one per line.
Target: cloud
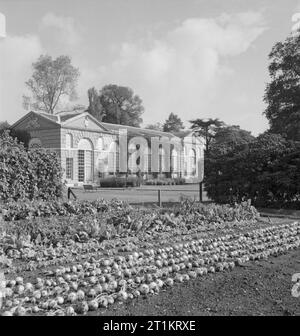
{"x":17,"y":53}
{"x":60,"y":34}
{"x":183,"y":71}
{"x":57,"y":35}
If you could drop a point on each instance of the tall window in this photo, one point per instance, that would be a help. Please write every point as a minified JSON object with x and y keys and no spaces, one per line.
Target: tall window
{"x":69,"y":168}
{"x":174,"y":161}
{"x":161,"y":158}
{"x":85,"y":160}
{"x":81,"y":165}
{"x":192,"y":159}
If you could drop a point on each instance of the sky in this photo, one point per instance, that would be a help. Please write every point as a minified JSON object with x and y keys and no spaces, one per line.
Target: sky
{"x":195,"y":58}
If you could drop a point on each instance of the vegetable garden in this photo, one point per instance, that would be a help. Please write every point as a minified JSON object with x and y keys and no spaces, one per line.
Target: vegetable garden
{"x":76,"y":257}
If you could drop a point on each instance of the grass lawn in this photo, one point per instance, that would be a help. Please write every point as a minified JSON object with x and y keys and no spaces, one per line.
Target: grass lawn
{"x":144,"y":194}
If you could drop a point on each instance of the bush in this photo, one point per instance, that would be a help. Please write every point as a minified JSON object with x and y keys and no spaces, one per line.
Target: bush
{"x":28,"y":175}
{"x":166,"y":181}
{"x":119,"y":182}
{"x":267,"y":170}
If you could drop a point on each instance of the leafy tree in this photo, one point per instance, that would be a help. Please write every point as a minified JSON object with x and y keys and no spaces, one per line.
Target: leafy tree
{"x":228,"y":137}
{"x":282,"y":94}
{"x":95,"y":107}
{"x":173,"y":124}
{"x":121,"y":105}
{"x":267,"y":171}
{"x":157,"y":126}
{"x":207,"y":129}
{"x":52,"y":80}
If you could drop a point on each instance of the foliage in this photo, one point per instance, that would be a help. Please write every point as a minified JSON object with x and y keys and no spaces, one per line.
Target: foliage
{"x":165,"y":181}
{"x":221,"y":213}
{"x":28,"y":175}
{"x":229,"y":137}
{"x":207,"y":129}
{"x":157,"y":127}
{"x":53,"y":222}
{"x":173,"y":124}
{"x":4,"y":125}
{"x":95,"y":107}
{"x":121,"y":106}
{"x":266,"y":170}
{"x":282,"y":94}
{"x":22,"y":136}
{"x":52,"y":79}
{"x":119,"y":182}
{"x":12,"y":211}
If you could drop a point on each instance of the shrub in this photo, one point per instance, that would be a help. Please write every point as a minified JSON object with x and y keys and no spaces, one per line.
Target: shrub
{"x":267,"y":170}
{"x":166,"y":181}
{"x":28,"y":175}
{"x":119,"y":182}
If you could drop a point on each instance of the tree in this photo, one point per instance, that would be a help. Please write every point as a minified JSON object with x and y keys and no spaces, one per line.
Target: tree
{"x":173,"y":124}
{"x":95,"y":107}
{"x":207,"y":129}
{"x":282,"y":94}
{"x":157,"y":127}
{"x":228,"y":137}
{"x":267,"y":171}
{"x":52,"y":80}
{"x":121,"y":106}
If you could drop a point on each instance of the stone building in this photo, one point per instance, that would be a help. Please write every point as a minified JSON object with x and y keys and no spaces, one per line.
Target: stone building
{"x":90,"y":149}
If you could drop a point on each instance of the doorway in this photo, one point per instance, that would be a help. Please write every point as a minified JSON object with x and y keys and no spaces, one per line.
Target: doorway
{"x":85,"y":161}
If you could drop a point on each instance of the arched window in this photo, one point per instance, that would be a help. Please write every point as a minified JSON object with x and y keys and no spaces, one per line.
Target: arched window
{"x":174,"y":161}
{"x":112,"y":157}
{"x":192,"y":161}
{"x":162,"y":160}
{"x":85,"y":161}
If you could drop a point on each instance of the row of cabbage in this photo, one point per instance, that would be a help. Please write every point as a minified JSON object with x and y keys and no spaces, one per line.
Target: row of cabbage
{"x":93,"y":281}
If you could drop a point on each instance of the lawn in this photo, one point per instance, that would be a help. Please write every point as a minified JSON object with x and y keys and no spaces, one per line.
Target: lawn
{"x":144,"y":194}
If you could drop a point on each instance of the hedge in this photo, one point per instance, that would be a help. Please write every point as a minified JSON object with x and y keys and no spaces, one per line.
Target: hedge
{"x":28,"y":174}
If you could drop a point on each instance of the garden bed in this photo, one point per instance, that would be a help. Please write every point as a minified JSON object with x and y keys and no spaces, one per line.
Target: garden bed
{"x":259,"y":288}
{"x":123,"y":256}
